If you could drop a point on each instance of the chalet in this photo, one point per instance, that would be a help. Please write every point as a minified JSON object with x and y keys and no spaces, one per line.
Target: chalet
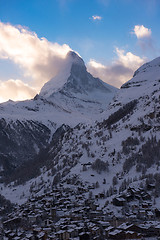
{"x":72,"y":233}
{"x":52,"y":236}
{"x":129,"y":227}
{"x":131,"y":217}
{"x":146,"y":205}
{"x":132,"y":235}
{"x":41,"y":236}
{"x":11,"y":235}
{"x":12,"y":223}
{"x":119,"y":201}
{"x":117,"y":234}
{"x":129,"y":197}
{"x":20,"y":234}
{"x":6,"y":233}
{"x":141,"y":214}
{"x":29,"y":236}
{"x":137,"y":196}
{"x":150,"y":215}
{"x":150,"y":186}
{"x":94,"y":214}
{"x":95,"y":231}
{"x":146,"y":196}
{"x":32,"y":218}
{"x":108,"y":230}
{"x":62,"y":234}
{"x":103,"y":224}
{"x":133,"y":191}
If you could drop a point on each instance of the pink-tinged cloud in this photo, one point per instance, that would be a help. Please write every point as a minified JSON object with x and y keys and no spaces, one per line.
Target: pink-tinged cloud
{"x":15,"y":90}
{"x":39,"y":58}
{"x":121,"y":69}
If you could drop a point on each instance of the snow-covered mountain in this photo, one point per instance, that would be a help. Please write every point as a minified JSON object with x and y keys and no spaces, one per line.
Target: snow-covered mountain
{"x":77,"y":90}
{"x":71,"y":97}
{"x":102,"y":174}
{"x":122,"y":148}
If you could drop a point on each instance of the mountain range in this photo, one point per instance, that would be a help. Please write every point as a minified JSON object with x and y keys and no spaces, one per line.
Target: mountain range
{"x":80,"y":126}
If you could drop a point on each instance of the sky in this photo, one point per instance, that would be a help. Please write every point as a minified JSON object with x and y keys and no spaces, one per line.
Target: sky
{"x":114,"y":38}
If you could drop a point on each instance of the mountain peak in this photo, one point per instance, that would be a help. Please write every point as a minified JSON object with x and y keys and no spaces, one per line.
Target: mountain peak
{"x":74,"y":80}
{"x":72,"y":63}
{"x":74,"y":58}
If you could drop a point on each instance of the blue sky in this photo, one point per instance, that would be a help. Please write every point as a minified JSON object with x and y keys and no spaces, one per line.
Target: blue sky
{"x":102,"y":31}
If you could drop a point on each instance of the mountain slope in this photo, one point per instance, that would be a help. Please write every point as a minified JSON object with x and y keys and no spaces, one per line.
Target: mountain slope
{"x":26,"y":127}
{"x":124,"y":146}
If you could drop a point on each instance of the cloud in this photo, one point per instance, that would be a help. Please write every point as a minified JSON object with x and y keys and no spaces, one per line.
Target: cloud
{"x":128,"y":60}
{"x":142,"y":32}
{"x":121,"y":69}
{"x":15,"y":90}
{"x":39,"y":58}
{"x":145,"y":40}
{"x":42,"y":60}
{"x":96,"y":17}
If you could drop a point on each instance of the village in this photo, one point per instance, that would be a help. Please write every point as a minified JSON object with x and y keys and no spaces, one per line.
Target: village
{"x":66,"y":213}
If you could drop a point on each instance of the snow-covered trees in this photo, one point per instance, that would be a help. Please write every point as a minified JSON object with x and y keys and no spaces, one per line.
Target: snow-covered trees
{"x":100,"y":165}
{"x":118,"y":115}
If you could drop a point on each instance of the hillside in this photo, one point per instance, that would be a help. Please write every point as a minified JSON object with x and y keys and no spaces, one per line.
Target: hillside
{"x":106,"y":171}
{"x":125,"y":142}
{"x":27,"y":127}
